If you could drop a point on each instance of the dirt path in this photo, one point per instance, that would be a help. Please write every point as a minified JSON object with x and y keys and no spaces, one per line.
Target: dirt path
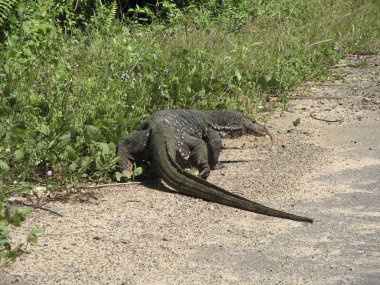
{"x":327,"y":171}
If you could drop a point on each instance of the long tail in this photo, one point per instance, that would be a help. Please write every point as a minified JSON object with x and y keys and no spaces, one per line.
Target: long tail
{"x":163,"y":153}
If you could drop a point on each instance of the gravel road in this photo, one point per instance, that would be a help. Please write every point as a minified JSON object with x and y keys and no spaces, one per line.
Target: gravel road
{"x":326,"y":168}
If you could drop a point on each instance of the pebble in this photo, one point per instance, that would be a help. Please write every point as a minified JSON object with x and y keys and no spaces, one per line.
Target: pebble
{"x":166,"y":238}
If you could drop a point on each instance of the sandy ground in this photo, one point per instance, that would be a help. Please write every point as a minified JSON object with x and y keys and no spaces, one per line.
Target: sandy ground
{"x":147,"y":234}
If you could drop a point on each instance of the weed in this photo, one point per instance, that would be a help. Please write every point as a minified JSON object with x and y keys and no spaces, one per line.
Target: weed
{"x":73,"y":79}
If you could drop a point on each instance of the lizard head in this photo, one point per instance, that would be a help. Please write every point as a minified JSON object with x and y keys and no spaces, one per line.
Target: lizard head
{"x":233,"y":124}
{"x":126,"y":161}
{"x":251,"y":127}
{"x":128,"y":150}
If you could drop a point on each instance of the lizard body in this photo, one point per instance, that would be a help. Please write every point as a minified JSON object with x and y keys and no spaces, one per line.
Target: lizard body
{"x":169,"y":135}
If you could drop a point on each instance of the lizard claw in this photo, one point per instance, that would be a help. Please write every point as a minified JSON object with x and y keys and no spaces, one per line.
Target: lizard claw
{"x":218,"y":166}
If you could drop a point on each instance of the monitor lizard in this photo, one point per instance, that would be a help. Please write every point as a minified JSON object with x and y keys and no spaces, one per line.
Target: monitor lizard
{"x":168,"y":136}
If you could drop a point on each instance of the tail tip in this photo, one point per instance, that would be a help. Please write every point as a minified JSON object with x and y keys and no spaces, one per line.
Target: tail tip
{"x":308,"y":220}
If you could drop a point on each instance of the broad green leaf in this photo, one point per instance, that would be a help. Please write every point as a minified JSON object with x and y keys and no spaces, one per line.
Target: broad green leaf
{"x":33,"y":232}
{"x":73,"y":166}
{"x":65,"y":137}
{"x":138,"y":171}
{"x":20,"y":129}
{"x":237,"y":74}
{"x":10,"y":254}
{"x":19,"y":154}
{"x":3,"y":166}
{"x":118,"y":176}
{"x":92,"y":133}
{"x":85,"y":162}
{"x":6,"y":68}
{"x":4,"y":232}
{"x":52,"y":158}
{"x":296,"y":122}
{"x":44,"y":108}
{"x":44,"y":129}
{"x":105,"y":148}
{"x":71,"y":153}
{"x":64,"y":140}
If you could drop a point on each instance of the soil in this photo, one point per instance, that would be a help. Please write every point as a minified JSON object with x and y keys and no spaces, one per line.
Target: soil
{"x":327,"y":168}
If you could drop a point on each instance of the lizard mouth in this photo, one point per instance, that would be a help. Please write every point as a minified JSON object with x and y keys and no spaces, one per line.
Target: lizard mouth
{"x":262,"y":131}
{"x":128,"y":164}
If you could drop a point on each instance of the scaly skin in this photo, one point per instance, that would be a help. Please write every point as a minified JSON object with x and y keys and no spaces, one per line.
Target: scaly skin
{"x":166,"y":134}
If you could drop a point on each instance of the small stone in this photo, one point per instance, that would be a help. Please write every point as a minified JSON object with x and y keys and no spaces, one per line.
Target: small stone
{"x":97,"y":238}
{"x":166,"y":238}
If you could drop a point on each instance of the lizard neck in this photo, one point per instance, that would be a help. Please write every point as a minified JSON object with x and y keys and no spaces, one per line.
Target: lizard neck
{"x":228,"y":123}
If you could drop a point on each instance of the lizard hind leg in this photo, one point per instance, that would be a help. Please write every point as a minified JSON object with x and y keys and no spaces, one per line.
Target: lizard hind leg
{"x":198,"y":155}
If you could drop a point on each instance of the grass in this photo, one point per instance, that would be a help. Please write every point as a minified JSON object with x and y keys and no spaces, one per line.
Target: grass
{"x":67,"y":98}
{"x":72,"y":84}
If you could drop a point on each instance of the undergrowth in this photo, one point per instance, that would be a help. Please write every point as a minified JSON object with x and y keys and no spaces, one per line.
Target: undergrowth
{"x":73,"y":80}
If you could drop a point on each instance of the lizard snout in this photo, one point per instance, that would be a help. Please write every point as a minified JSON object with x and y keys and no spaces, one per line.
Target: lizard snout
{"x":260,"y":131}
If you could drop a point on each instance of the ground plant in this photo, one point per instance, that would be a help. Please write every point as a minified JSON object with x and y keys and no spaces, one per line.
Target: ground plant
{"x":77,"y":75}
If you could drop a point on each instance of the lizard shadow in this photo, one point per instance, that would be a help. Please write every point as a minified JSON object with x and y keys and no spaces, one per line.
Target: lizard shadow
{"x":155,"y":183}
{"x":158,"y":185}
{"x":234,"y":161}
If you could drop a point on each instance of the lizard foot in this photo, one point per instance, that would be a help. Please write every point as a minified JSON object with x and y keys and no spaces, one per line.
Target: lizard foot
{"x":204,"y":171}
{"x":218,"y":166}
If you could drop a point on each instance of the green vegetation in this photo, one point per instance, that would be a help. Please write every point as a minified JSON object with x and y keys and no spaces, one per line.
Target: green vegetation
{"x":74,"y":78}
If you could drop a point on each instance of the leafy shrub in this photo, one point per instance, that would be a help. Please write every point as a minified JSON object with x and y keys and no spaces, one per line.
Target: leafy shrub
{"x":15,"y":219}
{"x":73,"y":79}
